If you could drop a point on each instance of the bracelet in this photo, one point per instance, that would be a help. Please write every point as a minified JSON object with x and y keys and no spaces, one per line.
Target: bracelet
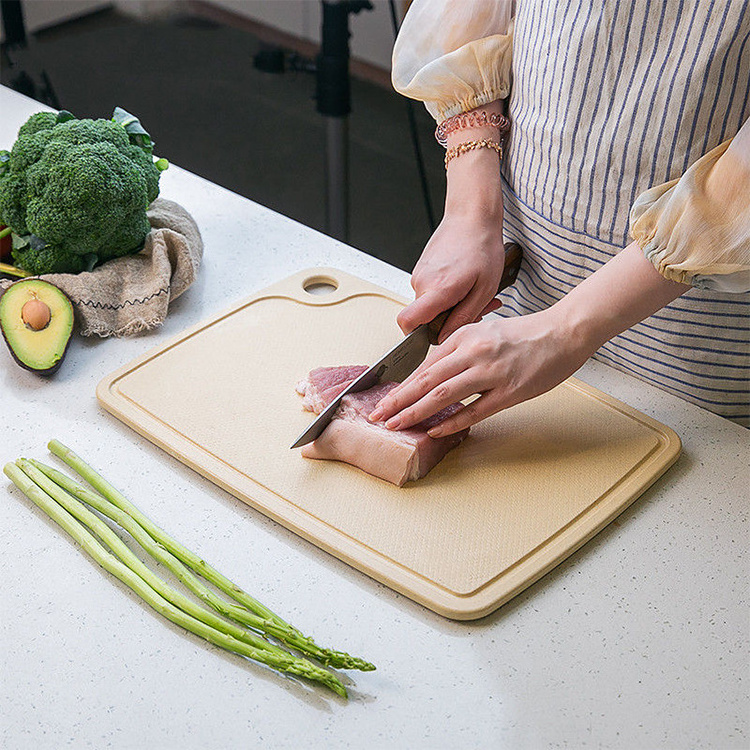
{"x":466,"y":120}
{"x":462,"y":148}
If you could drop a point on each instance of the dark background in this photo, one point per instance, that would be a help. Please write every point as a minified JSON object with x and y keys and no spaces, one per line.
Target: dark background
{"x":192,"y":83}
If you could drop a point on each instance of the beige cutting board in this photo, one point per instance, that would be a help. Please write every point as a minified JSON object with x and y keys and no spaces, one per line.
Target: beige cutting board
{"x":523,"y":491}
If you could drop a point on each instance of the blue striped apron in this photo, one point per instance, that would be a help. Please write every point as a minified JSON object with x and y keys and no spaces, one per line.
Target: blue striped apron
{"x":607,"y":100}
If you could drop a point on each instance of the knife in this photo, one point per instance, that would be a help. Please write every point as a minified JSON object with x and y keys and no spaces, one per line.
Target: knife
{"x":401,"y":361}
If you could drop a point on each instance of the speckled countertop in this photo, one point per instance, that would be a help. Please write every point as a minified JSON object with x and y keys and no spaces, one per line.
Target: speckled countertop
{"x":638,"y":640}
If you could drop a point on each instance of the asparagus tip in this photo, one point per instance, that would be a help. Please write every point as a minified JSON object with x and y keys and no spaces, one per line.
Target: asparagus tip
{"x":340,"y":690}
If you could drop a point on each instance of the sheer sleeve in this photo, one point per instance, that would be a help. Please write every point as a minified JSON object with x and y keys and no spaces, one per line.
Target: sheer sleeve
{"x":454,"y":55}
{"x":696,"y":229}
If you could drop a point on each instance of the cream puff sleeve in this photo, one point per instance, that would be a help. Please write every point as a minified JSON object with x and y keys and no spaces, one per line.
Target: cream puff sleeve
{"x":696,"y":229}
{"x":454,"y":55}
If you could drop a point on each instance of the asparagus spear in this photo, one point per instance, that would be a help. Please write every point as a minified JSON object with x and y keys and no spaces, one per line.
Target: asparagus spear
{"x":270,"y":622}
{"x":62,"y":494}
{"x":278,"y":658}
{"x":155,"y":549}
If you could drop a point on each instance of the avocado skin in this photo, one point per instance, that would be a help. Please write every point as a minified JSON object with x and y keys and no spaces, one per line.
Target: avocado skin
{"x":46,"y":371}
{"x":59,"y":304}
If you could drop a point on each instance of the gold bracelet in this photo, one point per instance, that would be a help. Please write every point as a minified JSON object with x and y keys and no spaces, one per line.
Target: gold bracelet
{"x":462,"y":148}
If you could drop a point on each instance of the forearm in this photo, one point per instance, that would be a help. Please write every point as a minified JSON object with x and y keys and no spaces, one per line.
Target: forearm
{"x":624,"y":291}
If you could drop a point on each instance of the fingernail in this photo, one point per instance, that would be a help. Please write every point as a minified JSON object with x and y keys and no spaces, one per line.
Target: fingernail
{"x":393,"y":423}
{"x":375,"y":414}
{"x":435,"y":432}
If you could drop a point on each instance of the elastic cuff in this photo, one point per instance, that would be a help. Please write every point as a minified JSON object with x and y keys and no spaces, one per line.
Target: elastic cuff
{"x":655,"y":255}
{"x":440,"y":111}
{"x":723,"y":280}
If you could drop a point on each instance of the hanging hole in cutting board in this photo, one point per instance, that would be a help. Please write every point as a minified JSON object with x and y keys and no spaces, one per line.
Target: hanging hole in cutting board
{"x":320,"y":285}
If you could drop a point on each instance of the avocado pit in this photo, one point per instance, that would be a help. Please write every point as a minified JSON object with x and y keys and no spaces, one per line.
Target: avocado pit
{"x":35,"y":314}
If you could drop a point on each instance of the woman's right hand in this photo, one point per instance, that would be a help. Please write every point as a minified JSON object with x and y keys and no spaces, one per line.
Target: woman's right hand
{"x":462,"y":264}
{"x":460,"y":267}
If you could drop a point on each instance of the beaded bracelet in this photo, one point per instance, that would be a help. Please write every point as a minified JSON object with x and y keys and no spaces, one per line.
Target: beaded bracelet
{"x":462,"y":148}
{"x":466,"y":120}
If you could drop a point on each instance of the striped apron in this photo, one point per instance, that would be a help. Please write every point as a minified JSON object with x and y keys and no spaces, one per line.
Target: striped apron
{"x":608,"y":99}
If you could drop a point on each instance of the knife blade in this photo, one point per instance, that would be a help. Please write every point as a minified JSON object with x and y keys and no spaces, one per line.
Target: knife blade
{"x":401,"y":360}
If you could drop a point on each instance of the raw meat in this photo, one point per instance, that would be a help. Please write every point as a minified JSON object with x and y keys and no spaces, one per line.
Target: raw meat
{"x":322,"y":385}
{"x":396,"y":456}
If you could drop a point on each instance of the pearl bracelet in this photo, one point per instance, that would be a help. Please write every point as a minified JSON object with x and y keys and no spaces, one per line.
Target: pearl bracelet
{"x":462,"y":148}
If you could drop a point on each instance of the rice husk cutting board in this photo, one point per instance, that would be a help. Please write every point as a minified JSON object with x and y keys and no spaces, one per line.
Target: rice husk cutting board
{"x":526,"y":488}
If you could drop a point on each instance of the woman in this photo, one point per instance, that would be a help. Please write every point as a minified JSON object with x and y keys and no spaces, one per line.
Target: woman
{"x":627,"y":119}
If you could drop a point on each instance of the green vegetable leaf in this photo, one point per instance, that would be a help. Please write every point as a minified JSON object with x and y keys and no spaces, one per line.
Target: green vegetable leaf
{"x":4,"y":159}
{"x":63,"y":116}
{"x":137,"y":133}
{"x":91,"y":260}
{"x":19,"y":242}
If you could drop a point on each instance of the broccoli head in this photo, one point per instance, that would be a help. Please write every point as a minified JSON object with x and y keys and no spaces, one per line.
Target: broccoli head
{"x":75,"y":192}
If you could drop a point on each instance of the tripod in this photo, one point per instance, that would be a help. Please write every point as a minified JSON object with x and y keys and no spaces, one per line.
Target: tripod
{"x":333,"y":102}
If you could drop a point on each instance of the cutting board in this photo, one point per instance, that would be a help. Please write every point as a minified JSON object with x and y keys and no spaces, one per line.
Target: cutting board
{"x":526,"y":488}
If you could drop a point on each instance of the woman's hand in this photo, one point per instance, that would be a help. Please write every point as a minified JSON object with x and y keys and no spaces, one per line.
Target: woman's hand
{"x":509,"y":360}
{"x":504,"y":360}
{"x":461,"y":266}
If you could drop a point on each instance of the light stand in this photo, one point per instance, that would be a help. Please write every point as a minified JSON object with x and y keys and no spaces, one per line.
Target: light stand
{"x":333,"y":97}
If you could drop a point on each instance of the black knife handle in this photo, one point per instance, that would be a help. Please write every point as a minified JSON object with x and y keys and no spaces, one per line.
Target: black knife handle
{"x":513,"y":257}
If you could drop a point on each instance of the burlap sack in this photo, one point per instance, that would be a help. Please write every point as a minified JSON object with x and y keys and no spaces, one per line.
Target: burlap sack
{"x":131,"y":294}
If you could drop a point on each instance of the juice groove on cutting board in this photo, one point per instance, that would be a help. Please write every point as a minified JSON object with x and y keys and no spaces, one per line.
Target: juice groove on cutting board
{"x":524,"y":490}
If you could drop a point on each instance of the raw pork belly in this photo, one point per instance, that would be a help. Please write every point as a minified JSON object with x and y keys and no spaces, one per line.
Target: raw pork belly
{"x":322,"y":385}
{"x":398,"y":456}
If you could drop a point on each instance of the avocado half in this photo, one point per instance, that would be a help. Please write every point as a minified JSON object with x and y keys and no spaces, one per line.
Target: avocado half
{"x":36,"y":320}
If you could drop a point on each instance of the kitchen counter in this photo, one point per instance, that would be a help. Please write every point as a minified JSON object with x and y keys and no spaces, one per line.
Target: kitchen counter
{"x":639,"y":639}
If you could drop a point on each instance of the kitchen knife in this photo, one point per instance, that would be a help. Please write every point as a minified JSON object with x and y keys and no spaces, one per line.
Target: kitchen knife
{"x":401,"y":361}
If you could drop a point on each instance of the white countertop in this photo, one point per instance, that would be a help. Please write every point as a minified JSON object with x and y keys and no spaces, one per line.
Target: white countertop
{"x":638,"y":640}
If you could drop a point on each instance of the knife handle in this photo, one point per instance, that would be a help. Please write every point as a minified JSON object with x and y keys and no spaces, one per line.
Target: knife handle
{"x":513,"y":257}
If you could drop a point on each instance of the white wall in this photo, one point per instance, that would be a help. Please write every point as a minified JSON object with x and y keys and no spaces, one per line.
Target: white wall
{"x":372,"y":32}
{"x":146,"y":9}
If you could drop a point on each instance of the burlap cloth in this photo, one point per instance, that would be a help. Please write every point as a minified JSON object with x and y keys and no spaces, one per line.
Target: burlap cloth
{"x":131,"y":294}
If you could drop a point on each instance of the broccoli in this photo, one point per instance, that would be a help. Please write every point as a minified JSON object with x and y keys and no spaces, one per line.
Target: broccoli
{"x":75,"y":192}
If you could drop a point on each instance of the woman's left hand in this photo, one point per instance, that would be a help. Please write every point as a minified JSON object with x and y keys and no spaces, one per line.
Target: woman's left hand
{"x":504,"y":360}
